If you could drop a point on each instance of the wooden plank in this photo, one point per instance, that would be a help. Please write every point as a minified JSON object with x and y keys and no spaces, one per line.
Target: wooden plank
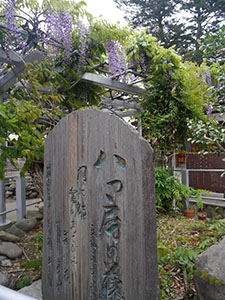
{"x":14,"y":58}
{"x":100,"y":224}
{"x":11,"y":77}
{"x":112,"y":84}
{"x":121,"y":103}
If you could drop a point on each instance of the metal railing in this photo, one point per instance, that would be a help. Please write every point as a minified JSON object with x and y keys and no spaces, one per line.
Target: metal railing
{"x":20,"y":200}
{"x":8,"y":294}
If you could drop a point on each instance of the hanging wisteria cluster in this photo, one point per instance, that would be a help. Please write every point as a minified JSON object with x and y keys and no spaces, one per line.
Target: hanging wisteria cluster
{"x":83,"y":33}
{"x":58,"y":32}
{"x":116,"y":59}
{"x":13,"y":38}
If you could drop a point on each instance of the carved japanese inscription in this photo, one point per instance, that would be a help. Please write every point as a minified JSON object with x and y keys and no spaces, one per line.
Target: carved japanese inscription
{"x":111,"y":224}
{"x":99,"y":211}
{"x":48,"y":231}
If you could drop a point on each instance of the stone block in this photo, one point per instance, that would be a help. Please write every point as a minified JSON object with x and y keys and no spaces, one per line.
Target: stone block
{"x":211,"y":264}
{"x":99,"y":211}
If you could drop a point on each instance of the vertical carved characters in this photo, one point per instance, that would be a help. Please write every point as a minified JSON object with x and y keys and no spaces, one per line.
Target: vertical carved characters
{"x":78,"y":207}
{"x":49,"y":224}
{"x":111,"y":226}
{"x":59,"y":258}
{"x":111,"y":288}
{"x":93,"y":264}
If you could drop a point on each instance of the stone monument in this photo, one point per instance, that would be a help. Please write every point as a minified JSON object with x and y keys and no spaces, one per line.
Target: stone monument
{"x":99,"y":211}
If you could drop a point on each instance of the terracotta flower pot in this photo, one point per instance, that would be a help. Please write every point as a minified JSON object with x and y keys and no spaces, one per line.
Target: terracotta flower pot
{"x":202,"y":215}
{"x":189,"y":213}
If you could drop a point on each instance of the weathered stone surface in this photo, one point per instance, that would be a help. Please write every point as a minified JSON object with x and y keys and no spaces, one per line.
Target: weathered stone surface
{"x":33,"y":290}
{"x":26,"y":224}
{"x":10,"y":250}
{"x":2,"y":257}
{"x":7,"y":280}
{"x":34,"y":214}
{"x":99,"y":214}
{"x":15,"y":231}
{"x":7,"y":225}
{"x":8,"y":237}
{"x":6,"y":263}
{"x":211,"y":262}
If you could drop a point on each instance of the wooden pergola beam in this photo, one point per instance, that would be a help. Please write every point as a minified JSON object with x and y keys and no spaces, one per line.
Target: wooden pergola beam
{"x":11,"y":77}
{"x":112,"y":84}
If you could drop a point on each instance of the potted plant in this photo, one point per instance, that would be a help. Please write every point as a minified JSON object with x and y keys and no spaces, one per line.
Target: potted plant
{"x":188,"y":212}
{"x":197,"y":194}
{"x":187,"y":193}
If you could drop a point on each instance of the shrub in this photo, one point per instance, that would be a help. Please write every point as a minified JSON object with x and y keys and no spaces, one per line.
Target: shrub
{"x":169,"y":190}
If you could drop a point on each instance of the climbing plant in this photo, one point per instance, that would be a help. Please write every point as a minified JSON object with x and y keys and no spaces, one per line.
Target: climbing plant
{"x":176,"y":92}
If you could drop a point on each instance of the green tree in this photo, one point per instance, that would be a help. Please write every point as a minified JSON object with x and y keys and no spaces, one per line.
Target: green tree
{"x":203,"y":17}
{"x":158,"y":17}
{"x":213,"y":47}
{"x":166,"y":20}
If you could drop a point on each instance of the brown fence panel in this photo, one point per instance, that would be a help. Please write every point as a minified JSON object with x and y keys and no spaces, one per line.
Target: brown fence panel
{"x":206,"y":180}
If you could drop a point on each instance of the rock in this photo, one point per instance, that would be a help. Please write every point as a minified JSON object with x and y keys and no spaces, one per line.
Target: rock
{"x":34,"y":290}
{"x":26,"y":224}
{"x":8,"y":194}
{"x":33,"y":195}
{"x":34,"y":214}
{"x":8,"y":237}
{"x":12,"y":187}
{"x":6,"y":225}
{"x":2,"y":257}
{"x":15,"y":231}
{"x":6,"y":263}
{"x":212,"y":263}
{"x":10,"y":250}
{"x":7,"y":281}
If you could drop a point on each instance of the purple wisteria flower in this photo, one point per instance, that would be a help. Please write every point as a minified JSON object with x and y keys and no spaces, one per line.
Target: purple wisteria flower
{"x":123,"y":61}
{"x":114,"y":62}
{"x":83,"y":35}
{"x":207,"y":77}
{"x":209,"y":111}
{"x":58,"y":32}
{"x":13,"y":39}
{"x":116,"y":59}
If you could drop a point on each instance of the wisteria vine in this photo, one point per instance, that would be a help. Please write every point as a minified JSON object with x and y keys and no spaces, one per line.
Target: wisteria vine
{"x":13,"y":37}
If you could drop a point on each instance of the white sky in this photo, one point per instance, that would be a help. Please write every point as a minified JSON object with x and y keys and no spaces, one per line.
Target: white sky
{"x":107,"y":9}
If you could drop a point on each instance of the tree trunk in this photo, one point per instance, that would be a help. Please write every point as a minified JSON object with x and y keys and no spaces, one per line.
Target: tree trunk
{"x":36,"y":172}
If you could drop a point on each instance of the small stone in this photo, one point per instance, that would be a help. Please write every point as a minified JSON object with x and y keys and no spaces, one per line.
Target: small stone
{"x":15,"y":231}
{"x":8,"y":194}
{"x":5,"y":280}
{"x":33,"y":195}
{"x":12,"y":187}
{"x":10,"y":250}
{"x":26,"y":224}
{"x":6,"y":263}
{"x":34,"y":214}
{"x":8,"y":237}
